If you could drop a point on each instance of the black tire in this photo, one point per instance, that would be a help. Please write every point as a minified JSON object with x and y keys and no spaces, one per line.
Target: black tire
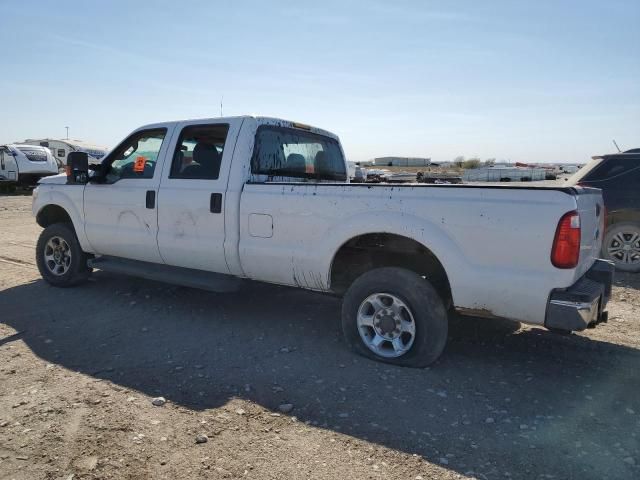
{"x":78,"y":271}
{"x":423,"y":301}
{"x":625,"y":229}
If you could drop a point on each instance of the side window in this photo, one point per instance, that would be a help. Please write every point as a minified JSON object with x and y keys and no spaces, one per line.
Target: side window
{"x":609,"y":169}
{"x":136,"y":157}
{"x":287,"y":153}
{"x":61,"y":152}
{"x":199,"y":152}
{"x":630,"y":180}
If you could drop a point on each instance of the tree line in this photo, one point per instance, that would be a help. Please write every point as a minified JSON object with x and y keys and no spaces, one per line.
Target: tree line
{"x":474,"y":162}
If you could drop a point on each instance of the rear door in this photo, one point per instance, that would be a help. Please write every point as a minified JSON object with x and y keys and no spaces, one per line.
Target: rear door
{"x":191,"y":204}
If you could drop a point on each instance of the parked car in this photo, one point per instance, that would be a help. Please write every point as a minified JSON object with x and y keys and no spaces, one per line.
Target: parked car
{"x":203,"y":203}
{"x":25,"y":164}
{"x":618,"y":175}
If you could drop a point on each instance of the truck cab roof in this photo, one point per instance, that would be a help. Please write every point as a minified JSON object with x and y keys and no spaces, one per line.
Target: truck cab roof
{"x":260,"y":120}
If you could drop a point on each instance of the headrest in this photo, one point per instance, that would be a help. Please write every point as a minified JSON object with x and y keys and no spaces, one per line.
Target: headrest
{"x":322,"y":163}
{"x":205,"y":154}
{"x":296,"y":162}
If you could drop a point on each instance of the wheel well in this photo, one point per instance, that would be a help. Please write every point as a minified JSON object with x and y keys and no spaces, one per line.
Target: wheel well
{"x":375,"y":250}
{"x":52,"y":214}
{"x":627,"y":215}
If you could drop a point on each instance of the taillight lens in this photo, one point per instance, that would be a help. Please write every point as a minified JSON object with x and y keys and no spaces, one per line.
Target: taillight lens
{"x":566,"y":244}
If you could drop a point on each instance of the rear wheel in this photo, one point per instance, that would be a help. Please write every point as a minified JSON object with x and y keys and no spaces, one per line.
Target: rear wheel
{"x":622,"y":246}
{"x":59,"y":257}
{"x":395,"y":316}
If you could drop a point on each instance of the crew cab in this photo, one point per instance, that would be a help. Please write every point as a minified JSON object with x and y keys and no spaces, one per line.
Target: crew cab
{"x":204,"y":203}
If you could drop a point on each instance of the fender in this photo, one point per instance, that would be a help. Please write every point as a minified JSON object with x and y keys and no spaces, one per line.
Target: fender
{"x":70,"y":199}
{"x":428,"y":234}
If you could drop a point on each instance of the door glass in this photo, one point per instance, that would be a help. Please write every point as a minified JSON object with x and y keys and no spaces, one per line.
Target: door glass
{"x":136,"y":157}
{"x":611,"y":169}
{"x":199,"y":152}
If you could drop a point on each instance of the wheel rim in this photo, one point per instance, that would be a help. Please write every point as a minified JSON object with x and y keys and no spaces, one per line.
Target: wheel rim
{"x":624,"y":247}
{"x":386,"y":325}
{"x":57,"y":256}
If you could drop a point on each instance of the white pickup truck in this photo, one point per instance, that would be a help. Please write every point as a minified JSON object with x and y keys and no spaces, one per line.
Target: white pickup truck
{"x":204,"y":203}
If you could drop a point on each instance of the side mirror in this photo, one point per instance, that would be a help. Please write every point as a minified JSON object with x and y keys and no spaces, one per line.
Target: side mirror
{"x":77,"y":168}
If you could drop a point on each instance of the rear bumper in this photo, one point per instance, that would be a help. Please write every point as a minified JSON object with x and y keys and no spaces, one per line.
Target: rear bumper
{"x":584,"y":303}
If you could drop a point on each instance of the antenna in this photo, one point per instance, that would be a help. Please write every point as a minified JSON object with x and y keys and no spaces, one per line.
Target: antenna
{"x":67,"y":132}
{"x":614,"y":142}
{"x":221,"y":100}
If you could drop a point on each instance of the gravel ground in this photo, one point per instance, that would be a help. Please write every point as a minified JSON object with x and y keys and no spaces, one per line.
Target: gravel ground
{"x":79,"y":369}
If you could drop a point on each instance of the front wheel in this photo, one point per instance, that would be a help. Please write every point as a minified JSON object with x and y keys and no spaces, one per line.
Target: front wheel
{"x":60,"y":259}
{"x":622,"y":246}
{"x":395,"y":316}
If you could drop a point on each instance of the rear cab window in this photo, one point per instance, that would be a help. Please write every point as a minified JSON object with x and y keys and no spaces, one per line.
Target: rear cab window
{"x":293,"y":155}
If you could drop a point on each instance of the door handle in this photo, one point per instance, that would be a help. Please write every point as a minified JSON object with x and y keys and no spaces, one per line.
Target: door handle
{"x":151,"y":199}
{"x":215,"y":203}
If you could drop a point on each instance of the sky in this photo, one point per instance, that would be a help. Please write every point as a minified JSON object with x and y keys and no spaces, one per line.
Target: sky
{"x":531,"y":81}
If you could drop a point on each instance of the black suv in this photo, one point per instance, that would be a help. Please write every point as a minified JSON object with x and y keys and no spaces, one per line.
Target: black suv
{"x":618,"y":175}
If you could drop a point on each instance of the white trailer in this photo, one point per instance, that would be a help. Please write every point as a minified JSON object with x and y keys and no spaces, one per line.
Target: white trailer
{"x":25,"y":164}
{"x":61,"y":149}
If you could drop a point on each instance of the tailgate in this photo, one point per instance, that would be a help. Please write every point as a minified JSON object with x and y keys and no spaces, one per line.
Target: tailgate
{"x":592,"y":213}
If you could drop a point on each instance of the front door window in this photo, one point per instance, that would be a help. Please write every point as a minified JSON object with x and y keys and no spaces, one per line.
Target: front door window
{"x":136,"y":157}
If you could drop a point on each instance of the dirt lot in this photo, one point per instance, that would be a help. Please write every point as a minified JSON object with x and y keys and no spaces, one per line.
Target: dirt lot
{"x":79,"y":368}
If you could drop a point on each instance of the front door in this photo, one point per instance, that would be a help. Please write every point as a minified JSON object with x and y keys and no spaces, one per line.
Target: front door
{"x":191,"y":224}
{"x":121,"y":212}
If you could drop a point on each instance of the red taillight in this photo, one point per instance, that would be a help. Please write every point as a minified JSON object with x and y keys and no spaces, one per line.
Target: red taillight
{"x":566,"y":244}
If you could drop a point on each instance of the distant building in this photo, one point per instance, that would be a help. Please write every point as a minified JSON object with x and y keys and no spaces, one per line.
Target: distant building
{"x":504,"y":174}
{"x":401,"y":162}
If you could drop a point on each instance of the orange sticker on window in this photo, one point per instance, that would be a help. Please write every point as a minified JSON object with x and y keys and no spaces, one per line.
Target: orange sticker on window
{"x":138,"y":167}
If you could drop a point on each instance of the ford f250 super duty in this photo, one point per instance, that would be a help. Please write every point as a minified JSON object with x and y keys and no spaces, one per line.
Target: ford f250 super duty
{"x":204,"y":203}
